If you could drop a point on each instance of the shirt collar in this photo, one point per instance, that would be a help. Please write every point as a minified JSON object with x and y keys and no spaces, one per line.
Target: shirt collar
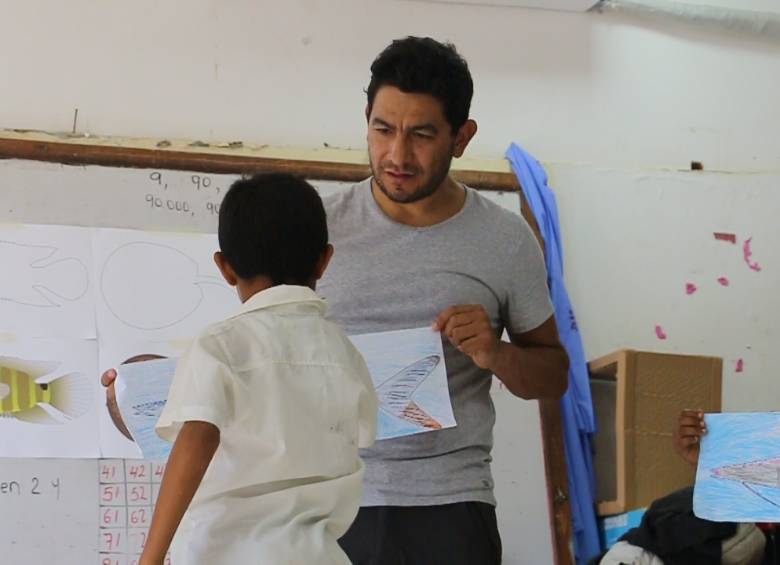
{"x":282,"y":294}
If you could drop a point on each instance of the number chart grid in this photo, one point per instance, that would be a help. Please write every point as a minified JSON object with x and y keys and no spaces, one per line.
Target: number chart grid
{"x":128,"y":492}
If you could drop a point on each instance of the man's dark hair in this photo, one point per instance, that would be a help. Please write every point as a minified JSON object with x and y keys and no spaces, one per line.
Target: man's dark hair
{"x":273,"y":225}
{"x":422,"y":65}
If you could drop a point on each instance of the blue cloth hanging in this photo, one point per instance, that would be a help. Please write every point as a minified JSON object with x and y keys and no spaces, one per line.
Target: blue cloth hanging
{"x":576,"y":405}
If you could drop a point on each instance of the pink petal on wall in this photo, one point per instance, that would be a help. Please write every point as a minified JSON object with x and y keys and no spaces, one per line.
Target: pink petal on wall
{"x":690,"y":288}
{"x":730,"y":237}
{"x":740,"y":365}
{"x":723,"y":281}
{"x":660,"y":333}
{"x":747,"y":253}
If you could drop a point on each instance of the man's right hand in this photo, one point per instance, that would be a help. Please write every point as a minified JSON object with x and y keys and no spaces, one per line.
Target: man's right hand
{"x":687,"y":436}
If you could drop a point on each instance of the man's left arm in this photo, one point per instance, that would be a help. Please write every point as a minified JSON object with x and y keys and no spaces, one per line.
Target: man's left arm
{"x":533,"y":365}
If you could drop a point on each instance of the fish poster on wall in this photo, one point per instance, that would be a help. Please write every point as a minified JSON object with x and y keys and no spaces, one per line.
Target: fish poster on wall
{"x":407,"y":367}
{"x":157,"y":286}
{"x":738,"y":476}
{"x":49,"y":398}
{"x":72,"y":294}
{"x":45,"y":289}
{"x":82,"y":300}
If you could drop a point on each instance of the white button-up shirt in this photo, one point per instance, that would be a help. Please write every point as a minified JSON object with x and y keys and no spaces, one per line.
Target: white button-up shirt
{"x":293,"y":401}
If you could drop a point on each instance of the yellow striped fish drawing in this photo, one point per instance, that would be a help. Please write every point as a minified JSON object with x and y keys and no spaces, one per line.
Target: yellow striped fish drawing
{"x":27,"y":396}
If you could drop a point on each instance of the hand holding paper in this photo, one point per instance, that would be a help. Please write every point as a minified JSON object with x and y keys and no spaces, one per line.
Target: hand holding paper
{"x":738,"y":477}
{"x":141,"y":393}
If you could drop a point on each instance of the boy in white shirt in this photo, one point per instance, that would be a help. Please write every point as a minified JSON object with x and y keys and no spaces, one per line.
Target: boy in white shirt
{"x":267,"y":408}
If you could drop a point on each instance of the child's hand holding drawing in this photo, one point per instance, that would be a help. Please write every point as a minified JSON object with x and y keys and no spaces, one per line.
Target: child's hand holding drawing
{"x":107,"y":380}
{"x":688,"y":434}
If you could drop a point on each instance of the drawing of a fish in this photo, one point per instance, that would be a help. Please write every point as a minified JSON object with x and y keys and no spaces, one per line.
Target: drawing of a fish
{"x":765,"y":472}
{"x":395,"y":394}
{"x":762,"y":477}
{"x":23,"y":396}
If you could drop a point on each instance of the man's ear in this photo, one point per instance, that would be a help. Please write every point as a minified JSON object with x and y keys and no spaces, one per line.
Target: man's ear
{"x":322,"y":264}
{"x":225,"y":268}
{"x":467,"y":131}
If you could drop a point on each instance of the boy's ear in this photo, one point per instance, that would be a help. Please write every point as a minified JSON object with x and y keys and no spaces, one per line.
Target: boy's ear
{"x":322,"y":264}
{"x":225,"y":268}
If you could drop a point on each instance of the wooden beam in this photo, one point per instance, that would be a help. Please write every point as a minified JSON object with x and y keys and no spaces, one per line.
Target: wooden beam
{"x":557,"y":480}
{"x":554,"y":450}
{"x":74,"y":153}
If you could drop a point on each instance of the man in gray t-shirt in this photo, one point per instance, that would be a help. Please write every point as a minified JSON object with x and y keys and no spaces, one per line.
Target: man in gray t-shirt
{"x":414,"y":248}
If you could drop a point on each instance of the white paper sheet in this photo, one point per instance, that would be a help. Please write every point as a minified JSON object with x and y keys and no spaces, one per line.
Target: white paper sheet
{"x":141,"y":391}
{"x":66,"y":418}
{"x":407,"y":368}
{"x":738,"y":475}
{"x":153,"y":286}
{"x":45,"y":288}
{"x":112,"y":442}
{"x":410,"y":377}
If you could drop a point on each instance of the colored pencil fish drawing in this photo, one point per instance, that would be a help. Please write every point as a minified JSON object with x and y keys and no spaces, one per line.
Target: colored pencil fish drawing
{"x":395,"y":394}
{"x":761,"y":477}
{"x":26,"y":396}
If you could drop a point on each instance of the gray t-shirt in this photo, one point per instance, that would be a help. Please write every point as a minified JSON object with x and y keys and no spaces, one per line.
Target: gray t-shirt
{"x":390,"y":276}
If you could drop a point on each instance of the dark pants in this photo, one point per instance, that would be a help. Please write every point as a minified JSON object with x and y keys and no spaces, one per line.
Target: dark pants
{"x":465,"y":533}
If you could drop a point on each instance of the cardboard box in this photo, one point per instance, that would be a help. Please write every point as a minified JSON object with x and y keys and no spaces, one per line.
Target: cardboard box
{"x":611,"y":528}
{"x":637,"y":398}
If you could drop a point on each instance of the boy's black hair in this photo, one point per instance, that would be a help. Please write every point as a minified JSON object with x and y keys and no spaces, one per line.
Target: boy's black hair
{"x":273,"y":225}
{"x":425,"y":66}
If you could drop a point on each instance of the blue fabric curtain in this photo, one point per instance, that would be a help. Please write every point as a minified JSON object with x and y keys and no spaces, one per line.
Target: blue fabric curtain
{"x":576,"y":406}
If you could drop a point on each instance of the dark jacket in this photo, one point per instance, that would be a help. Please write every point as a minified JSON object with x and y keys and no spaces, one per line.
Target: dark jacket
{"x":671,"y":531}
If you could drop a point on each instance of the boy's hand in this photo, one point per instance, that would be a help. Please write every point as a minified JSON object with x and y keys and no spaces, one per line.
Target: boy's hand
{"x":468,"y":328}
{"x":108,"y":377}
{"x":687,"y":436}
{"x":107,"y":380}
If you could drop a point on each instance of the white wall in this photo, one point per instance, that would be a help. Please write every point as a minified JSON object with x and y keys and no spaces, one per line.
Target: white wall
{"x":573,"y":88}
{"x":633,"y":240}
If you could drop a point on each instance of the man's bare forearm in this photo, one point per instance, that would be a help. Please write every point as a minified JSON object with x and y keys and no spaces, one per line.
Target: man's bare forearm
{"x":531,"y":372}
